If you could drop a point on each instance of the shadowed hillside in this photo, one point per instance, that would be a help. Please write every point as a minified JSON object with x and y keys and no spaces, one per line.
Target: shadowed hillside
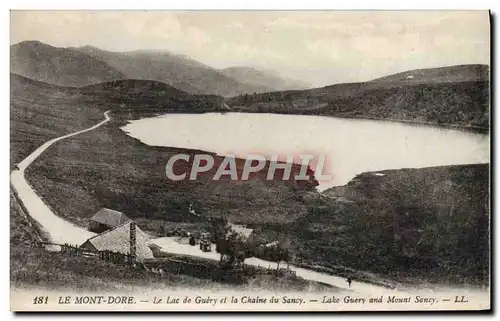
{"x":60,"y":66}
{"x":139,"y":97}
{"x":121,"y":87}
{"x":431,"y":222}
{"x":40,"y":112}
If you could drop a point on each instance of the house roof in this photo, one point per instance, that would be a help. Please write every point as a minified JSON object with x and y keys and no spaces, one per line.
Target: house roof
{"x":117,"y":239}
{"x":241,"y":230}
{"x":109,"y":217}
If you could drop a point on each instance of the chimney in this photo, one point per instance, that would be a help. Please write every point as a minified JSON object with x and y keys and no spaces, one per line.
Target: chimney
{"x":133,"y":241}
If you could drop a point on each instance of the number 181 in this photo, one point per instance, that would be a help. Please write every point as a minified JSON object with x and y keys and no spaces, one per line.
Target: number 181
{"x":40,"y":300}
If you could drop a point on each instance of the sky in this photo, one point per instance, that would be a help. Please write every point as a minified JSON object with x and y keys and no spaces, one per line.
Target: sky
{"x":317,"y":47}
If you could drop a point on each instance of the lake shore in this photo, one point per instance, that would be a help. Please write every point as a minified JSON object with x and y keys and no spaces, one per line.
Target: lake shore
{"x":348,"y":146}
{"x":135,"y":114}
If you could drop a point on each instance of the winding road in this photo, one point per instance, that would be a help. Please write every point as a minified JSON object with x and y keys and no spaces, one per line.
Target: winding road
{"x":170,"y":245}
{"x":61,"y":231}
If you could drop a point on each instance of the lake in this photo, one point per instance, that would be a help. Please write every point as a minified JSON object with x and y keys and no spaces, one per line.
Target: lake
{"x":351,"y":146}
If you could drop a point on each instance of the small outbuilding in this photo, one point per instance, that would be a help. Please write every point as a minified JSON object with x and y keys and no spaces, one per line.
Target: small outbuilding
{"x":106,"y":219}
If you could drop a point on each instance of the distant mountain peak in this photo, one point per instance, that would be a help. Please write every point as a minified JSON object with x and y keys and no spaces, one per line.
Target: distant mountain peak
{"x":271,"y":79}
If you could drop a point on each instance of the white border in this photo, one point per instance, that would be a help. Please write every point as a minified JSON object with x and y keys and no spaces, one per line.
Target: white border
{"x":191,"y":5}
{"x":259,"y":5}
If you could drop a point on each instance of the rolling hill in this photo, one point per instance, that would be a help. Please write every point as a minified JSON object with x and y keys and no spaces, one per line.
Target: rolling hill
{"x":456,"y":96}
{"x":254,"y":77}
{"x":432,"y":219}
{"x":40,"y":112}
{"x":457,"y":73}
{"x":142,"y":97}
{"x":59,"y":66}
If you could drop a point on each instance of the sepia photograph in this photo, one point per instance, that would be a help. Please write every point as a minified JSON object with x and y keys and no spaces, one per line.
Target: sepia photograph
{"x":168,"y":160}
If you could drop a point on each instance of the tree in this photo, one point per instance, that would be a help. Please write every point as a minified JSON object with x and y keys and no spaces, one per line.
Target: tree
{"x":275,"y":253}
{"x":279,"y":255}
{"x":233,"y":247}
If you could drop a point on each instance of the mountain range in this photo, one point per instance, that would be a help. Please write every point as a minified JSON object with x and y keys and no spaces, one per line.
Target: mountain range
{"x":81,"y":66}
{"x":452,"y":96}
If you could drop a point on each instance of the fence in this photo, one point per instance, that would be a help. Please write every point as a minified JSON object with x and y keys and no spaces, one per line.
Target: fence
{"x":162,"y":266}
{"x":109,"y":256}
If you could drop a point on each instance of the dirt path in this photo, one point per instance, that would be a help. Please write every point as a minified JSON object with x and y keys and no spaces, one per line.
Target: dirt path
{"x":170,"y":245}
{"x":59,"y":230}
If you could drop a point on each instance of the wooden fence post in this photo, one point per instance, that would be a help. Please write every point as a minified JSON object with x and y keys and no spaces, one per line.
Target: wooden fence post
{"x":133,"y":245}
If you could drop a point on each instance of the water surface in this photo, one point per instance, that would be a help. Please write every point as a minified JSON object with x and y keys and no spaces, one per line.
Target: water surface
{"x":351,"y":146}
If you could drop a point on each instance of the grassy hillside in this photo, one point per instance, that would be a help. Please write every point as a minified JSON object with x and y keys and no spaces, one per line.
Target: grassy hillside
{"x":178,"y":71}
{"x":438,"y":75}
{"x":432,"y":223}
{"x":60,"y":66}
{"x":433,"y":96}
{"x":40,"y":112}
{"x":144,"y":96}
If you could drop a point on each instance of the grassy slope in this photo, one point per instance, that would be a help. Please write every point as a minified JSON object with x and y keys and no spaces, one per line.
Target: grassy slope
{"x":430,"y":222}
{"x":450,"y":99}
{"x":98,"y":168}
{"x":40,"y":112}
